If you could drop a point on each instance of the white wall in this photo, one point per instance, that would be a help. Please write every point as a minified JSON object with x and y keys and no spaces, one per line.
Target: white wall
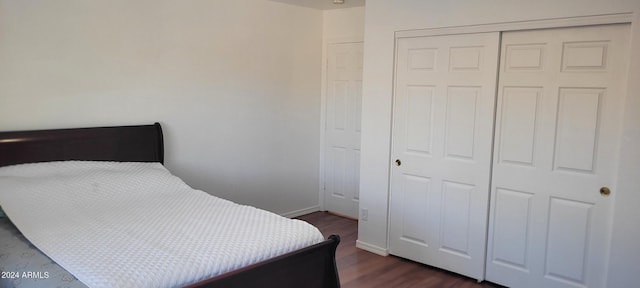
{"x":343,"y":24}
{"x":236,"y":85}
{"x":383,"y":18}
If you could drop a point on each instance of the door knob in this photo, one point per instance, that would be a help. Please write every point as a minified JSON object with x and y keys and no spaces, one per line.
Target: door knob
{"x":398,"y":162}
{"x":605,"y":191}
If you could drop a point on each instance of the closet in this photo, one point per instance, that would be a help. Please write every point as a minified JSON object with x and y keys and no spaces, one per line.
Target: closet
{"x":504,"y":153}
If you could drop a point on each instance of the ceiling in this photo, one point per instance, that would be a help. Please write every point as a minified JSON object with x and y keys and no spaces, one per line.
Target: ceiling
{"x":323,"y":4}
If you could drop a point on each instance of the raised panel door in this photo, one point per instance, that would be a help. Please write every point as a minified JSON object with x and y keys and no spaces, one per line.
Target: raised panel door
{"x":442,"y":135}
{"x":557,"y":136}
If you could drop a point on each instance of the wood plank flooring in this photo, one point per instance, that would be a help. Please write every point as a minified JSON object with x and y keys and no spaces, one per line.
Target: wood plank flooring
{"x":359,"y":268}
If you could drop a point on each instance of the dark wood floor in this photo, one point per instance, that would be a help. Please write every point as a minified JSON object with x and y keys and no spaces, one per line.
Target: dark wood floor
{"x":359,"y":268}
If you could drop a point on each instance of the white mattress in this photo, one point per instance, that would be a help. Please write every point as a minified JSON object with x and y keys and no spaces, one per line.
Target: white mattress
{"x":136,"y":225}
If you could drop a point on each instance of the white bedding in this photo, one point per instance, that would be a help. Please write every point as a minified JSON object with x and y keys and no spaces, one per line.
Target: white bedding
{"x":135,"y":225}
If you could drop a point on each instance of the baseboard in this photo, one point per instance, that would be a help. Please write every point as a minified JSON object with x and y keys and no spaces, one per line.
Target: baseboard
{"x":301,"y":212}
{"x":372,"y":248}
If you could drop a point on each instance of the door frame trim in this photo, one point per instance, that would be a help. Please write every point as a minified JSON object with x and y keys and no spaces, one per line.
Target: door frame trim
{"x":618,"y":18}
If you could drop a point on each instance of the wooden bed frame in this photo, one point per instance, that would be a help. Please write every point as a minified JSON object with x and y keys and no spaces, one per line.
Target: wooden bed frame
{"x":313,"y":266}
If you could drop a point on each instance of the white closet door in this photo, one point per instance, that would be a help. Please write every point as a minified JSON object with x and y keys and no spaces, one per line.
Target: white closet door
{"x":557,"y":138}
{"x":442,"y":133}
{"x":343,"y":113}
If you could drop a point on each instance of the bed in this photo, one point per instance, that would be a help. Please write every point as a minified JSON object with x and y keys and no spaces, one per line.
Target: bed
{"x":309,"y":266}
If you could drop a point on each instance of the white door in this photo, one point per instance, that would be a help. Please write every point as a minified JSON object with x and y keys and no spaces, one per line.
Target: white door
{"x":557,"y":137}
{"x":343,"y":111}
{"x":442,"y":135}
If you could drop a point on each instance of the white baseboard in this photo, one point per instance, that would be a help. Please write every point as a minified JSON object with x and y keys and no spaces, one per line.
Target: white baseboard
{"x":301,"y":212}
{"x":372,"y":248}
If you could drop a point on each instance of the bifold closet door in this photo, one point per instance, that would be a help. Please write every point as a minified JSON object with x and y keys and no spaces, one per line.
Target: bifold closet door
{"x":556,"y":154}
{"x":441,"y":152}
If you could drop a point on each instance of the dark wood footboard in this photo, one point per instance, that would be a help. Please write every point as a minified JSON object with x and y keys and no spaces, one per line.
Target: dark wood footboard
{"x":310,"y":267}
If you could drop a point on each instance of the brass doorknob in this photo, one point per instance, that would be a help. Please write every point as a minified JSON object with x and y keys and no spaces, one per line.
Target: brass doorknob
{"x":398,"y":162}
{"x":605,"y":191}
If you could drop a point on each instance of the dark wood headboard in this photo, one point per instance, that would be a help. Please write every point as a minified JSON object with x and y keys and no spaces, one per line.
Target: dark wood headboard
{"x":141,"y":143}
